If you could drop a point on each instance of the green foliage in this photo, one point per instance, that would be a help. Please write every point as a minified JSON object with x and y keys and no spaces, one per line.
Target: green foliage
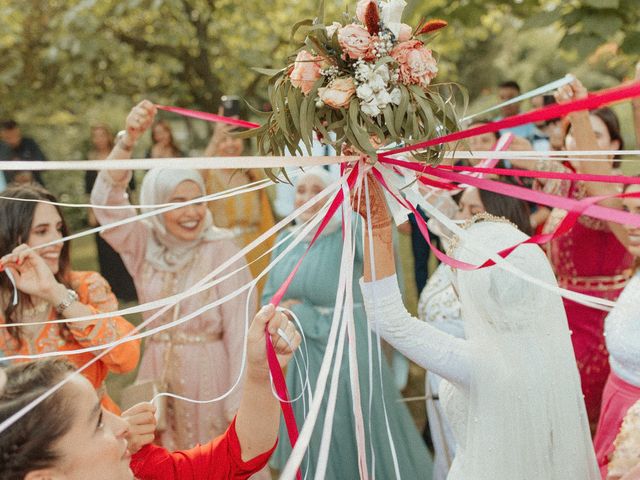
{"x":295,"y":115}
{"x":68,"y":63}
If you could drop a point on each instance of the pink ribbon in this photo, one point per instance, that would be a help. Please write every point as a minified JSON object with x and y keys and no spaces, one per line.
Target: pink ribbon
{"x":209,"y":117}
{"x":594,"y":100}
{"x":621,"y":179}
{"x":567,"y":223}
{"x":541,"y":198}
{"x":283,"y":393}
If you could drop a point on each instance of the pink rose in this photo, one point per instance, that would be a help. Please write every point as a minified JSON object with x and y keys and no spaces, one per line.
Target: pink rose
{"x":405,"y":32}
{"x":354,"y":40}
{"x":417,"y":65}
{"x":361,"y":9}
{"x":306,"y":71}
{"x":338,"y":93}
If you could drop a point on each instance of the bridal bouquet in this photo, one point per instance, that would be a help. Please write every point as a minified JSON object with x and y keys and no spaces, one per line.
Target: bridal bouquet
{"x":366,"y":83}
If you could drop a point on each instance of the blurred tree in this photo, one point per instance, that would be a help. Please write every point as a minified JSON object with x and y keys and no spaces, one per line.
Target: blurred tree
{"x":67,"y":63}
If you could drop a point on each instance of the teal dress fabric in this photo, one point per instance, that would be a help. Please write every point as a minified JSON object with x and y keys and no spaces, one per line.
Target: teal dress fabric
{"x":315,"y":287}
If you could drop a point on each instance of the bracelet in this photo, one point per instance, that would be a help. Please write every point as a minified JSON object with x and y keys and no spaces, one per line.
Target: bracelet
{"x":120,"y":136}
{"x":72,"y":297}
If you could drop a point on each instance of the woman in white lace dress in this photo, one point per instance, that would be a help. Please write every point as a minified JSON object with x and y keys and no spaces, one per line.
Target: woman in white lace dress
{"x":439,"y":305}
{"x":511,"y":388}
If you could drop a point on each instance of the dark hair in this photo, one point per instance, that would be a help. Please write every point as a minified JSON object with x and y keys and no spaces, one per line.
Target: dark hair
{"x":30,"y":443}
{"x":513,"y":209}
{"x":167,"y":127}
{"x":510,"y":84}
{"x":9,"y":124}
{"x":15,"y":227}
{"x":546,"y":101}
{"x":610,"y":119}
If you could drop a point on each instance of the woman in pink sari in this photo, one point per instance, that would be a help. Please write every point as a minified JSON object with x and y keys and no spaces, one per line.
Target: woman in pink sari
{"x":591,"y":258}
{"x":166,"y":254}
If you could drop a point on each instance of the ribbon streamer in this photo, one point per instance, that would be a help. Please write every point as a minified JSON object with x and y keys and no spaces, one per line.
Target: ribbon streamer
{"x":525,"y":96}
{"x":209,"y":117}
{"x":596,"y":211}
{"x":595,"y":100}
{"x":512,"y":172}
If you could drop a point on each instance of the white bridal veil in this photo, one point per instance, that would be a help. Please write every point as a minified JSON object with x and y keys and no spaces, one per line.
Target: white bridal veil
{"x":527,"y":419}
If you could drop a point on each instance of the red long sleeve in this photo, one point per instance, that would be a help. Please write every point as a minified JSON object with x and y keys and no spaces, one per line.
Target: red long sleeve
{"x":220,"y":459}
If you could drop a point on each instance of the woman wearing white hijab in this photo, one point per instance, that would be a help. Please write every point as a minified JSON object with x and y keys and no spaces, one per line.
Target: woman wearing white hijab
{"x":166,"y":254}
{"x":511,"y":389}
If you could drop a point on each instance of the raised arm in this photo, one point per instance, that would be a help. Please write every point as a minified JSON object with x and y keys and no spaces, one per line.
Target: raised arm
{"x":429,"y":347}
{"x":110,"y":188}
{"x":246,"y":446}
{"x":585,"y":139}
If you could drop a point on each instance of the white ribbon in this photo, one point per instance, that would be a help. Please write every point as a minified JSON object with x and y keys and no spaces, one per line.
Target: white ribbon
{"x":108,"y":347}
{"x":530,"y":94}
{"x":175,"y":163}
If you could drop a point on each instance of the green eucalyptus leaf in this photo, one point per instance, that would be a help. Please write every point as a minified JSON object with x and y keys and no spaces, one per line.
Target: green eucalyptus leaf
{"x":268,"y":71}
{"x":304,"y":122}
{"x":390,"y":121}
{"x":296,"y":26}
{"x":401,"y":111}
{"x":293,"y":104}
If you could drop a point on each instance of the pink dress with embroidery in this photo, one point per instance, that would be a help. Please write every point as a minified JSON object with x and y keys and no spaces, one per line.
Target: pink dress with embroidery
{"x":588,"y":259}
{"x":198,"y":359}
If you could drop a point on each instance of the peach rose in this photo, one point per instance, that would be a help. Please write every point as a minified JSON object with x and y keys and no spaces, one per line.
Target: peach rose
{"x":361,"y":9}
{"x":306,"y":71}
{"x":417,"y":65}
{"x":338,"y":93}
{"x":354,"y":40}
{"x":405,"y":32}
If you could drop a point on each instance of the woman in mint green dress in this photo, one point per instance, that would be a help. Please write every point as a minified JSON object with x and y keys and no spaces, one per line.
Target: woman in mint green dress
{"x":311,"y":296}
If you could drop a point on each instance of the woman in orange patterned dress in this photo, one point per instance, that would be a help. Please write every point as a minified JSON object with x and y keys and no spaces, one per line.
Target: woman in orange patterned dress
{"x":49,"y":290}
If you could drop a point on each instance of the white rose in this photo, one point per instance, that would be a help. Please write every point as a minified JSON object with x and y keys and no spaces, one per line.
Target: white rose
{"x":365,"y":92}
{"x":383,"y":99}
{"x":383,"y":71}
{"x":370,"y":108}
{"x":332,"y":29}
{"x":376,"y":83}
{"x":396,"y":96}
{"x":392,"y":15}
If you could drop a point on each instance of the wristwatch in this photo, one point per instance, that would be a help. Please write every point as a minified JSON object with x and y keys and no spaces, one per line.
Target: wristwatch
{"x":72,"y":297}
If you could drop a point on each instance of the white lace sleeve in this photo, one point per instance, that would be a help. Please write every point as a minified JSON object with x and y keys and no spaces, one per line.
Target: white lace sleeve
{"x":429,"y":347}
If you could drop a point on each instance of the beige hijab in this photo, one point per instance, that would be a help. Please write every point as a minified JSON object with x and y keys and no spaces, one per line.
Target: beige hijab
{"x":164,"y":251}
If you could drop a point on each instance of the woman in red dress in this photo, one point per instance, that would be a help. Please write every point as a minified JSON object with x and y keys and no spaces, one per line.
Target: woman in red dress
{"x":69,"y":435}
